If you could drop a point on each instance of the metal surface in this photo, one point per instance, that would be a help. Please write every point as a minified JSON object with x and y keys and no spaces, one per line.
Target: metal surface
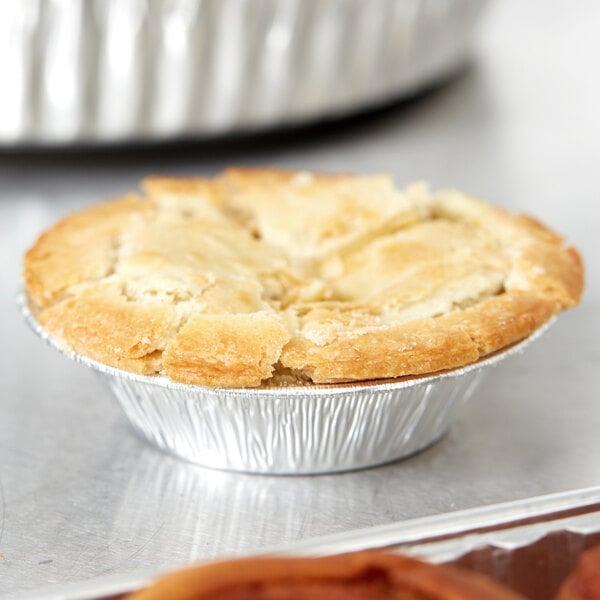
{"x":292,"y":430}
{"x":81,"y":497}
{"x":100,"y":71}
{"x":446,"y":536}
{"x":489,"y":539}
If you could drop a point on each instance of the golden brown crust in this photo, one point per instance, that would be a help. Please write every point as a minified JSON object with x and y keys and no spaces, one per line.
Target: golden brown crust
{"x":336,"y":277}
{"x":58,"y":261}
{"x":112,"y":330}
{"x":423,"y":344}
{"x":221,"y":347}
{"x":365,"y":575}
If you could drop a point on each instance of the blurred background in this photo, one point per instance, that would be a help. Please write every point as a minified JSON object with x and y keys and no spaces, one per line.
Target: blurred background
{"x":125,"y":70}
{"x":499,"y":99}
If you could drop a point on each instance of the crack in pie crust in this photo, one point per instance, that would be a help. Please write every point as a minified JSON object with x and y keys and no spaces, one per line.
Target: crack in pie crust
{"x":275,"y":277}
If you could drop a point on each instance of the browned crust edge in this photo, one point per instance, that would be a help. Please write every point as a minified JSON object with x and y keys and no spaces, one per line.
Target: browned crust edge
{"x":76,"y":249}
{"x":423,"y":346}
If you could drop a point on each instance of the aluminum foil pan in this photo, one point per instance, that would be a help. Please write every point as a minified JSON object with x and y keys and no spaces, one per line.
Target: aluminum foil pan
{"x":292,"y":430}
{"x":106,"y":71}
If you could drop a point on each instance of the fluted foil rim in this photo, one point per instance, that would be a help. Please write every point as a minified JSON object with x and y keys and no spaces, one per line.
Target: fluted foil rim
{"x":310,"y":429}
{"x":372,"y":386}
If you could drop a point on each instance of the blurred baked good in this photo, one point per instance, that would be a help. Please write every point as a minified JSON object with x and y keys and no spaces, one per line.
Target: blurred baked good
{"x":584,"y":582}
{"x":265,"y":274}
{"x":358,"y":576}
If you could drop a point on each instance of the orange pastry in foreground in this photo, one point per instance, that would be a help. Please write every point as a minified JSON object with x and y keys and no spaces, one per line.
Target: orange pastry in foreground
{"x":358,"y":576}
{"x":584,"y":582}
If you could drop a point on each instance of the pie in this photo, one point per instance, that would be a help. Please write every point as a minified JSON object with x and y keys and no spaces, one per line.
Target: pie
{"x":268,"y":277}
{"x":367,"y":575}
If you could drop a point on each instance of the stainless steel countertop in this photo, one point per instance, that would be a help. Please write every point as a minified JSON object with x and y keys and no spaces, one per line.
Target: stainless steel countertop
{"x":81,"y":496}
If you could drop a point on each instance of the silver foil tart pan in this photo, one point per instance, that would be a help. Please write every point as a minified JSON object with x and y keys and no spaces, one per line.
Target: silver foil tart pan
{"x":529,"y":545}
{"x":292,"y":430}
{"x":106,"y":71}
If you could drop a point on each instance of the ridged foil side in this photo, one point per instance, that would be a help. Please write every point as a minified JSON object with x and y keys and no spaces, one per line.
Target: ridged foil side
{"x":293,"y":431}
{"x":120,"y":70}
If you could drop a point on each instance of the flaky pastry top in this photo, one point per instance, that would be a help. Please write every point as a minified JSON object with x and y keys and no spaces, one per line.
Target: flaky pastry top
{"x":267,"y":277}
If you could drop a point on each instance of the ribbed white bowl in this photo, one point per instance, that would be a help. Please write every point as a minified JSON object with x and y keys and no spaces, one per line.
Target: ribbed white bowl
{"x":104,"y":71}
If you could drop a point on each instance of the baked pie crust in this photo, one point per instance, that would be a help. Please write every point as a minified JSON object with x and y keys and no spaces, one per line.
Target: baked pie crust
{"x":274,"y":277}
